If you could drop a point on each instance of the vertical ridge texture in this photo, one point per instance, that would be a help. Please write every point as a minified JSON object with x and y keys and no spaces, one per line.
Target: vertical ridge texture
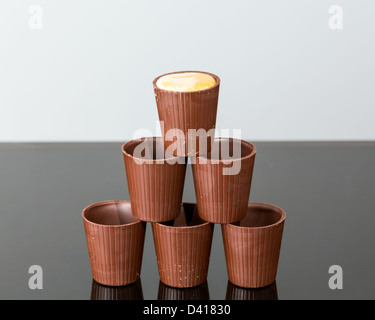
{"x":115,"y":252}
{"x":222,"y":198}
{"x":183,"y":253}
{"x":252,"y":254}
{"x":155,"y":189}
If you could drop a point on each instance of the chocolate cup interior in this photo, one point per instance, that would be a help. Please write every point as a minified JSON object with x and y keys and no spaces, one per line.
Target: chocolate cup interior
{"x":259,"y":215}
{"x":188,"y":217}
{"x":229,"y":149}
{"x":110,"y":213}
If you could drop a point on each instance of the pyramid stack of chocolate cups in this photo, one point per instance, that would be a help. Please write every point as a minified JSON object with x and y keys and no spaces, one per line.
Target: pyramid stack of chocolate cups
{"x":183,"y":232}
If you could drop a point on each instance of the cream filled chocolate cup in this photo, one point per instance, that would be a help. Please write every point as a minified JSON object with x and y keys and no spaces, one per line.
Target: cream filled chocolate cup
{"x":115,"y":241}
{"x":252,"y":246}
{"x":187,"y":107}
{"x":183,"y":248}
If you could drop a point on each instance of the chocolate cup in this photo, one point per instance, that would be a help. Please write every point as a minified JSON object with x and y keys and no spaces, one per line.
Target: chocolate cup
{"x":183,"y":248}
{"x":187,"y":110}
{"x":238,"y":293}
{"x":156,"y":185}
{"x":115,"y":241}
{"x":130,"y":292}
{"x":252,"y":246}
{"x":221,"y":197}
{"x":200,"y":292}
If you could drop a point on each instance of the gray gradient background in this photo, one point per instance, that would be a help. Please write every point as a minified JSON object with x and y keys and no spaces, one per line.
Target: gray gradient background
{"x":86,"y":76}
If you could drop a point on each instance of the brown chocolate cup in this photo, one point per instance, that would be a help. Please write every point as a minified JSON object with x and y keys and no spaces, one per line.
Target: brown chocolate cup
{"x":252,"y":246}
{"x":155,"y":182}
{"x":185,"y":111}
{"x":222,"y":189}
{"x":264,"y":293}
{"x":183,"y":248}
{"x":196,"y":293}
{"x":115,"y":241}
{"x":130,"y":292}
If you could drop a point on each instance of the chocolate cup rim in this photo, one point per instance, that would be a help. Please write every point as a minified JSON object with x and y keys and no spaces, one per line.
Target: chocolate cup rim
{"x":112,"y":226}
{"x":148,"y":161}
{"x":265,"y":205}
{"x":204,"y":223}
{"x":217,"y":79}
{"x":253,"y":152}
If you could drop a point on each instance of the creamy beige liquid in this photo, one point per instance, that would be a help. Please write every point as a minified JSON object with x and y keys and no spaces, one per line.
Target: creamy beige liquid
{"x":186,"y":81}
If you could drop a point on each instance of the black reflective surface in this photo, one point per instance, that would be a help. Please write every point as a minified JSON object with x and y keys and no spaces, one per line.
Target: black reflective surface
{"x":326,"y":189}
{"x":200,"y":292}
{"x":130,"y":292}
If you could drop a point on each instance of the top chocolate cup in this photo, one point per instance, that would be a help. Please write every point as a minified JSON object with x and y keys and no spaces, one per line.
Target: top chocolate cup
{"x":187,"y":115}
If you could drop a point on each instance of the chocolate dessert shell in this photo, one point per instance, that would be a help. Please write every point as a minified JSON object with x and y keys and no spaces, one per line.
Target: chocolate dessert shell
{"x":223,"y":198}
{"x":115,"y":242}
{"x":187,"y":110}
{"x":252,"y":246}
{"x":183,"y":250}
{"x":155,"y":187}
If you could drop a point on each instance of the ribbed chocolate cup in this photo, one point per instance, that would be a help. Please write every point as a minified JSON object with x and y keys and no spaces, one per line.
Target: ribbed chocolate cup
{"x":115,"y":241}
{"x":252,"y":246}
{"x":187,"y":110}
{"x":156,"y":182}
{"x":183,"y":248}
{"x":200,"y":292}
{"x":223,"y":189}
{"x":130,"y":292}
{"x":239,"y":293}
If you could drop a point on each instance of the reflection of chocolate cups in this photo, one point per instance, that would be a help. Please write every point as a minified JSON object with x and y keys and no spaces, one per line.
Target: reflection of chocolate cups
{"x":238,"y":293}
{"x":130,"y":292}
{"x":183,"y":248}
{"x":180,"y":112}
{"x":155,"y":181}
{"x":196,"y":293}
{"x":115,"y":242}
{"x":222,"y":180}
{"x":252,"y":246}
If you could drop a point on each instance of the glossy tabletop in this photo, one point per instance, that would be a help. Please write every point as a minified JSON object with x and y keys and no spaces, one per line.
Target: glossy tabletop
{"x":327,"y":190}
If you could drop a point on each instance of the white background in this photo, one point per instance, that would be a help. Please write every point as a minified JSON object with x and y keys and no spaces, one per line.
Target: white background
{"x":285,"y":75}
